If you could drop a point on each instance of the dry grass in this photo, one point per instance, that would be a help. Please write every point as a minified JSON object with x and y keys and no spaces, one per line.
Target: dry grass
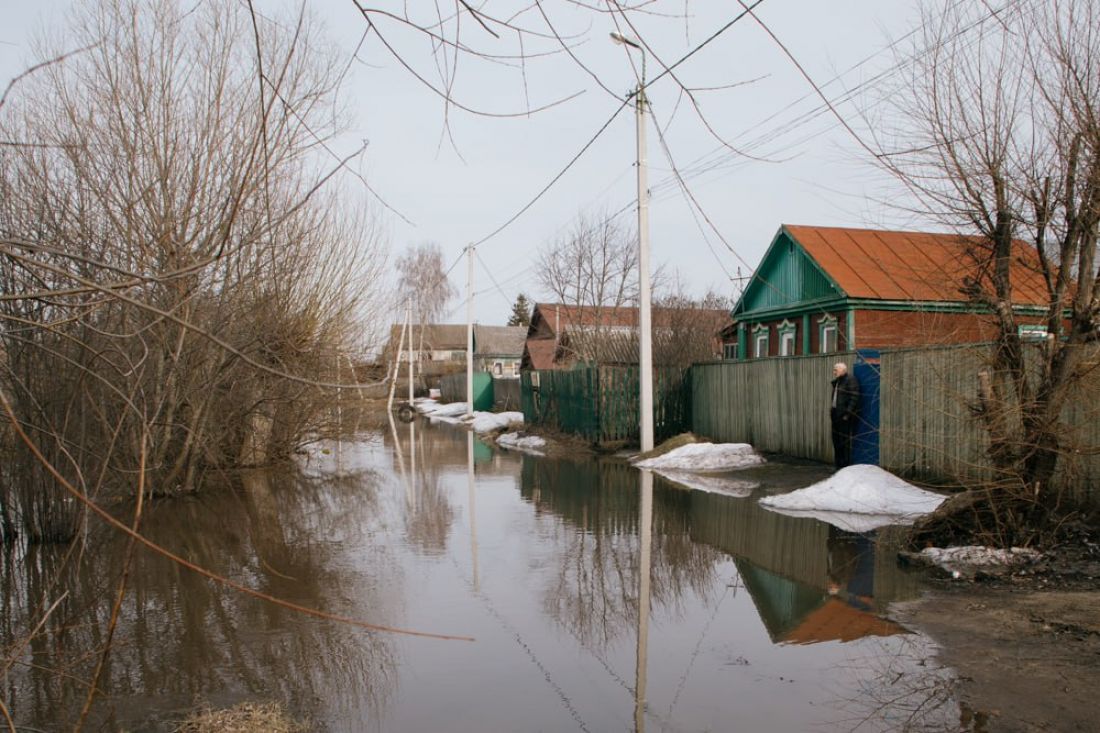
{"x":669,"y":445}
{"x":244,"y":718}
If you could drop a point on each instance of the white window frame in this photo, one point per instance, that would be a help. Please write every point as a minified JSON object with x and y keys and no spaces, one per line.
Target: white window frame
{"x":825,"y":325}
{"x":788,"y":333}
{"x":729,"y":351}
{"x":760,"y":335}
{"x":498,"y":369}
{"x":515,"y":368}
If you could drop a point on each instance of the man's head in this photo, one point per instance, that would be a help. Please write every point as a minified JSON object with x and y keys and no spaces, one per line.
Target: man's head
{"x":840,"y":369}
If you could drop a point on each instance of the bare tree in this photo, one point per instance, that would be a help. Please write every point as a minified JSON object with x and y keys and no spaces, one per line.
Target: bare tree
{"x":171,"y":265}
{"x":687,"y":329}
{"x":595,"y":264}
{"x":422,"y":279}
{"x":1001,"y":141}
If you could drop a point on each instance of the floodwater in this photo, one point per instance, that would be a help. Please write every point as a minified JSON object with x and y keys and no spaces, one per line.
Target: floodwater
{"x":598,"y":598}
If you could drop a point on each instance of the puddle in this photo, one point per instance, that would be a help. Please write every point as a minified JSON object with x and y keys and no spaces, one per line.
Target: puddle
{"x":755,"y":620}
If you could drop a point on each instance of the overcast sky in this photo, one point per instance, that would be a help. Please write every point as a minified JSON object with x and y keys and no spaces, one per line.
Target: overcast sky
{"x":795,"y":164}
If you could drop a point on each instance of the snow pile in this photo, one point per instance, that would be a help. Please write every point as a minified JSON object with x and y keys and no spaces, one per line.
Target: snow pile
{"x":518,"y":441}
{"x":435,"y":410}
{"x":710,"y":457}
{"x":963,"y":560}
{"x":858,"y":499}
{"x":711,"y":484}
{"x":487,"y":422}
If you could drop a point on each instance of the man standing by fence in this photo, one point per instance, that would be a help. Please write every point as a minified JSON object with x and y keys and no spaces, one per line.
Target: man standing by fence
{"x":843,"y":413}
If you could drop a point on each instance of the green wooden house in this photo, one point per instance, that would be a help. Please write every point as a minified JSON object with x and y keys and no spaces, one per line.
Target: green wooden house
{"x":824,"y":289}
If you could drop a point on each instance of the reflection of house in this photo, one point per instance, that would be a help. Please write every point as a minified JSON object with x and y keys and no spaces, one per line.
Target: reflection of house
{"x":561,"y":336}
{"x":823,"y":289}
{"x":795,"y":613}
{"x":498,"y":349}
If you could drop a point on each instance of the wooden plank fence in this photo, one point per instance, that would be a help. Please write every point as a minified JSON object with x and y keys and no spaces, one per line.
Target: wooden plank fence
{"x":777,"y":405}
{"x":927,"y":429}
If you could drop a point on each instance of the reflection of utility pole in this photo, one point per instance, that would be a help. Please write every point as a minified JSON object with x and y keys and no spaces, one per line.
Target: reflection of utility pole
{"x":473,"y":503}
{"x":412,"y":460}
{"x":400,"y":451}
{"x":645,"y":537}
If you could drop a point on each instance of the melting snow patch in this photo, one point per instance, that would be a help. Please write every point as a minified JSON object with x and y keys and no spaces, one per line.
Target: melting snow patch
{"x":705,"y":457}
{"x":879,"y":495}
{"x":951,"y":558}
{"x":452,"y":409}
{"x":487,"y":422}
{"x":847,"y":521}
{"x":529,"y":443}
{"x":710,"y":484}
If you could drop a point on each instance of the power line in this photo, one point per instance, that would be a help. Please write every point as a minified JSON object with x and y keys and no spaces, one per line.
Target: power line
{"x":555,"y":179}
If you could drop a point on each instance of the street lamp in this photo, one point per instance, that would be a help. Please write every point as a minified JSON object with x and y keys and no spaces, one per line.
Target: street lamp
{"x":645,"y":316}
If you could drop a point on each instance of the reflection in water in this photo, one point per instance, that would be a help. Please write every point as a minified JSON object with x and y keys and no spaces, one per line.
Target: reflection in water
{"x":472,"y":507}
{"x":575,"y":572}
{"x":181,"y":639}
{"x":645,"y":534}
{"x":595,"y":591}
{"x":430,"y":515}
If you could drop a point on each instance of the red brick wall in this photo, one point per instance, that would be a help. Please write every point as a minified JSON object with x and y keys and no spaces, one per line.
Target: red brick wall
{"x":885,"y":329}
{"x":877,"y":329}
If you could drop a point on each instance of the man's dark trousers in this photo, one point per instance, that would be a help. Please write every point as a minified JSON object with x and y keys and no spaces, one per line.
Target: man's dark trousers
{"x":843,"y":427}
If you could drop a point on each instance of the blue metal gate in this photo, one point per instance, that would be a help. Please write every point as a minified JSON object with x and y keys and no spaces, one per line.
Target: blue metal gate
{"x":868,"y":370}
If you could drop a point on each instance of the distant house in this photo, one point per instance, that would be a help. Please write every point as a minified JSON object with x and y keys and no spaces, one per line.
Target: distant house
{"x":825,"y":289}
{"x":561,"y":336}
{"x":498,"y":349}
{"x":442,"y":348}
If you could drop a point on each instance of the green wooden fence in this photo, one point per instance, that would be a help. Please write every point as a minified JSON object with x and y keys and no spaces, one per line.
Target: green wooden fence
{"x":601,"y":403}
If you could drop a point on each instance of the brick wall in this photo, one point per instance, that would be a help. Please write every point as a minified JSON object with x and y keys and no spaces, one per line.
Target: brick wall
{"x":886,"y":329}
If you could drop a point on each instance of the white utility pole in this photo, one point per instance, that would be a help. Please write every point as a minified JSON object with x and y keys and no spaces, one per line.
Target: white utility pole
{"x":645,"y":315}
{"x":408,"y":312}
{"x":397,"y":362}
{"x":469,"y":331}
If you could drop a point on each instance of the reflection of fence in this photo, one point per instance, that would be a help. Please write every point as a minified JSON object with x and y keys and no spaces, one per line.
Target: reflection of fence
{"x":926,"y":427}
{"x":601,"y":403}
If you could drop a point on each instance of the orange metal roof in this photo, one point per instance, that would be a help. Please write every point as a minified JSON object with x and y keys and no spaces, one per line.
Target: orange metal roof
{"x":835,"y":620}
{"x":915,"y":266}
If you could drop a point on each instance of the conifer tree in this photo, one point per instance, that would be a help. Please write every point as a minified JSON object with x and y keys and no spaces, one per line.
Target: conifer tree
{"x":521,"y":312}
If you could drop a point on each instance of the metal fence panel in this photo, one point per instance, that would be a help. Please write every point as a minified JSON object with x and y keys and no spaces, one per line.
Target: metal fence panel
{"x":601,"y":403}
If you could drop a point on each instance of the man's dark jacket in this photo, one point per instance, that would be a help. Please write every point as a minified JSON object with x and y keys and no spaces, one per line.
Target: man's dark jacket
{"x":847,"y":398}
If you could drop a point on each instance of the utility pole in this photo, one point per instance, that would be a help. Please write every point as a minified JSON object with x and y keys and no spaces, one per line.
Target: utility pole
{"x":397,"y":362}
{"x":470,"y":331}
{"x":645,"y":315}
{"x":408,"y":315}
